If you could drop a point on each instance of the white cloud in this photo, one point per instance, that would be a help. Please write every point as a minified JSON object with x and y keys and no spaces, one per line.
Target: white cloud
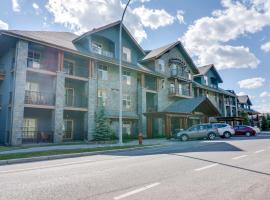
{"x":241,"y":94}
{"x":15,"y":6}
{"x":265,"y":94}
{"x":153,"y":18}
{"x":251,"y":83}
{"x":266,"y":47}
{"x":84,"y":15}
{"x":262,"y":108}
{"x":207,"y":38}
{"x":180,"y":16}
{"x":3,"y":25}
{"x":35,"y":6}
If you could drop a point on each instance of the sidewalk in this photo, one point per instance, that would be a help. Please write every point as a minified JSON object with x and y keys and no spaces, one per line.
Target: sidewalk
{"x":82,"y":146}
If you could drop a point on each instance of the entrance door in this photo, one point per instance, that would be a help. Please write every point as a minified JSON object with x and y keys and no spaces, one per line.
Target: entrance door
{"x":29,"y":129}
{"x":68,"y":129}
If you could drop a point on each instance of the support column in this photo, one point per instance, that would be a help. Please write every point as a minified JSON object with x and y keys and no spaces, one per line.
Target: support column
{"x":19,"y":92}
{"x":168,"y":126}
{"x":92,"y":99}
{"x":58,"y":115}
{"x":149,"y":120}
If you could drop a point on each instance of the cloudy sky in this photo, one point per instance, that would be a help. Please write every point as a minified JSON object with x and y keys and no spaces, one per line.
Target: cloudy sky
{"x":234,"y":35}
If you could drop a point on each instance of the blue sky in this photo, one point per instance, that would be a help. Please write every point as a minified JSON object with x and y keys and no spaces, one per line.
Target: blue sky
{"x":213,"y":31}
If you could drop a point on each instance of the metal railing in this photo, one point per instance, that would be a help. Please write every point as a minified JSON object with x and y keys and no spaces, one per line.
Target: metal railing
{"x":176,"y":92}
{"x":39,"y":98}
{"x":29,"y":136}
{"x":79,"y":101}
{"x":36,"y":64}
{"x":80,"y":71}
{"x":102,"y":52}
{"x":180,"y":74}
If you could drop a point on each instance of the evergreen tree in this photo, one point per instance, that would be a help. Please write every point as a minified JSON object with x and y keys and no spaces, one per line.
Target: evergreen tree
{"x":246,"y":119}
{"x":264,"y":123}
{"x":103,"y":131}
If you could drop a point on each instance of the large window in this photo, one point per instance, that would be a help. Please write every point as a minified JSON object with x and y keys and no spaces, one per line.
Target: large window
{"x":161,"y":65}
{"x":29,"y":128}
{"x":127,"y":128}
{"x":96,"y":47}
{"x":69,"y":96}
{"x":102,"y":97}
{"x":103,"y":72}
{"x":126,"y":54}
{"x":126,"y":77}
{"x":127,"y":101}
{"x":69,"y":67}
{"x":34,"y":59}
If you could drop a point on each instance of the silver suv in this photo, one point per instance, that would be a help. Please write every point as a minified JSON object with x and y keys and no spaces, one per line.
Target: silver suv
{"x":199,"y":131}
{"x":224,"y":130}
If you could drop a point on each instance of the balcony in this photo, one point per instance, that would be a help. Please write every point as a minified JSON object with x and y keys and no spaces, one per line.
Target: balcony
{"x":77,"y":101}
{"x":179,"y":93}
{"x":37,"y":65}
{"x":180,"y":74}
{"x":39,"y":98}
{"x":79,"y":71}
{"x":30,"y":136}
{"x":101,"y":51}
{"x":153,"y":108}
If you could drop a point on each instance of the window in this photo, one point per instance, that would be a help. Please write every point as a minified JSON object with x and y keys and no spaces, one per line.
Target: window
{"x":69,"y":67}
{"x":68,"y":126}
{"x":161,"y":65}
{"x":126,"y":54}
{"x":96,"y":47}
{"x":32,"y":86}
{"x":34,"y":59}
{"x":126,"y":101}
{"x":126,"y":128}
{"x":102,"y":97}
{"x":206,"y":80}
{"x":172,"y":88}
{"x":162,"y":83}
{"x":103,"y":72}
{"x":126,"y":77}
{"x":180,"y":88}
{"x":69,"y":96}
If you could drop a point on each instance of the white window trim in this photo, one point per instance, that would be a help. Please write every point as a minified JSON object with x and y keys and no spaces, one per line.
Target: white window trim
{"x":103,"y":72}
{"x":127,"y":98}
{"x":127,"y":75}
{"x":126,"y":51}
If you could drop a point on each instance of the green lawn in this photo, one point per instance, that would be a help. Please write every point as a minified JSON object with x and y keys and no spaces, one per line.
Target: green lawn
{"x":66,"y":151}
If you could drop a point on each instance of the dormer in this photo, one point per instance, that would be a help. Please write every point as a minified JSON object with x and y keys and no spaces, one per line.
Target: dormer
{"x":104,"y":41}
{"x":208,"y":76}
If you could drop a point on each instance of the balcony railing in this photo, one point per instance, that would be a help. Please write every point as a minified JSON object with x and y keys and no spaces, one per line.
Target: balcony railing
{"x":102,"y":52}
{"x":80,"y":71}
{"x":79,"y":101}
{"x":177,"y":73}
{"x":177,"y":92}
{"x":29,"y":136}
{"x":36,"y":64}
{"x":39,"y":98}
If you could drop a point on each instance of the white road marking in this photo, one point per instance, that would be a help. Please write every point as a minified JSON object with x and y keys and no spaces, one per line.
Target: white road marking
{"x":136,"y":191}
{"x":260,"y":151}
{"x":239,"y":157}
{"x":206,"y":167}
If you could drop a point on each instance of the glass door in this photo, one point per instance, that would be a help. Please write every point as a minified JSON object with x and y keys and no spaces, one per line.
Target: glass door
{"x":68,"y":134}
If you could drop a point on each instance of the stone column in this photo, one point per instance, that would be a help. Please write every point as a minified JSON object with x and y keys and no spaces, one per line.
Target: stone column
{"x":92,"y":99}
{"x":19,"y":92}
{"x":58,"y":115}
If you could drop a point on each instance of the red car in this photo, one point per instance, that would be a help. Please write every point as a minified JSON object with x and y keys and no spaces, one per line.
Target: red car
{"x":244,"y":130}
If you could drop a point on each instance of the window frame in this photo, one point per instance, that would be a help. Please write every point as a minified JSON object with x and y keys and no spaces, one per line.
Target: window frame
{"x":126,"y":101}
{"x":127,"y":51}
{"x":103,"y":72}
{"x":126,"y":77}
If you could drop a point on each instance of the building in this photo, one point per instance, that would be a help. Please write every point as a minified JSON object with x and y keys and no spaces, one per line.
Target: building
{"x":53,"y":82}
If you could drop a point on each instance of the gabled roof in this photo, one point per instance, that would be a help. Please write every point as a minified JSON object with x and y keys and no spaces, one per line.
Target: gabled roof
{"x":95,"y":30}
{"x":156,"y":53}
{"x":199,"y":104}
{"x":204,"y":69}
{"x":244,"y":99}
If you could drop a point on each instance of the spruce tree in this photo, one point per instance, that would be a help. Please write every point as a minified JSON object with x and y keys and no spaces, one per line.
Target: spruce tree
{"x":264,"y":123}
{"x":103,"y":131}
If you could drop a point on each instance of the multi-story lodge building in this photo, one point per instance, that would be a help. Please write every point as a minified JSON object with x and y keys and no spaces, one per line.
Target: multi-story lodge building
{"x":51,"y":84}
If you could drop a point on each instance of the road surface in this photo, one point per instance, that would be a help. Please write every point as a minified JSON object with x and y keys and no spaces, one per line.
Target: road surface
{"x":238,"y":168}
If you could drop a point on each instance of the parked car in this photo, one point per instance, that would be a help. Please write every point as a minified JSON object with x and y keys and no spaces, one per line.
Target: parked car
{"x":224,"y":130}
{"x":257,"y":129}
{"x":245,"y":130}
{"x":199,"y":131}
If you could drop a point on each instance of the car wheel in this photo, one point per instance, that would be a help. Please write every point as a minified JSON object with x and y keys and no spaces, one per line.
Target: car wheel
{"x":248,"y":134}
{"x":184,"y":138}
{"x":211,"y":136}
{"x":227,"y":135}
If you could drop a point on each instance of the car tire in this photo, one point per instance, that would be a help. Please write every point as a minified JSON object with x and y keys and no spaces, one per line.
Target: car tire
{"x":227,"y":135}
{"x":211,"y":136}
{"x":184,"y":138}
{"x":248,"y":134}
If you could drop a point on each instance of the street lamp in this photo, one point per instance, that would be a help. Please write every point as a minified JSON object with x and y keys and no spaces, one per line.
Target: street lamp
{"x":120,"y":78}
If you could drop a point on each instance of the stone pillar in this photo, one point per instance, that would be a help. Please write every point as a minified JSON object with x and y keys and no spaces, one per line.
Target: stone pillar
{"x":92,"y":100}
{"x":58,"y":115}
{"x":19,"y":92}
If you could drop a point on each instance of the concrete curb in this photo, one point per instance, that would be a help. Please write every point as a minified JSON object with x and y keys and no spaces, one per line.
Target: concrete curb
{"x":71,"y":155}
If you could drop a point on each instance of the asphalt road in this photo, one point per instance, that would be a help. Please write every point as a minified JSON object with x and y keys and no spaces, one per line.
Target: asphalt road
{"x":233,"y":169}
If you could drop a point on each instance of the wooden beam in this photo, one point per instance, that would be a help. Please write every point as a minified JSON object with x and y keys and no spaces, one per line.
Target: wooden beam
{"x":149,"y":121}
{"x":168,"y":132}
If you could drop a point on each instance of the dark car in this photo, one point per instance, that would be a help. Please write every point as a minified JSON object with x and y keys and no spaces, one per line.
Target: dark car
{"x":244,"y":130}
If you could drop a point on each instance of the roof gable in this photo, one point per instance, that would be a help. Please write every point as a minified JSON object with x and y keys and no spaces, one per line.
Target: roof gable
{"x":244,"y":99}
{"x":205,"y":69}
